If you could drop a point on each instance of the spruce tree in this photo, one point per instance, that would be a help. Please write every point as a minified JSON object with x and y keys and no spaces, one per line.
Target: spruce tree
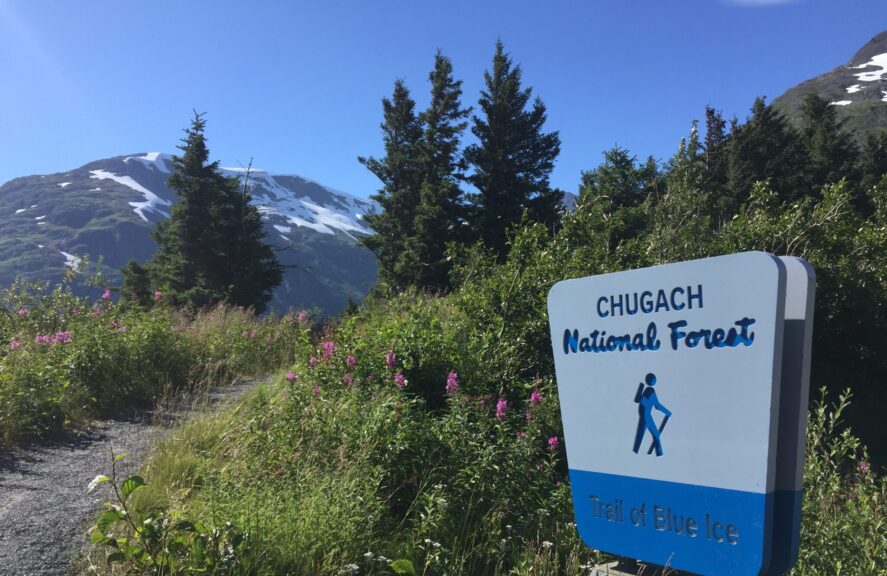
{"x":874,"y":159}
{"x":212,"y":248}
{"x":717,"y":164}
{"x":831,"y":151}
{"x":440,"y":216}
{"x":766,"y":147}
{"x":394,"y":238}
{"x":513,"y":157}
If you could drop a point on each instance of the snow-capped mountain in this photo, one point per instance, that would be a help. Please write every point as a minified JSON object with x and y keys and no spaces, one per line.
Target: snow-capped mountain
{"x":857,"y":90}
{"x":107,"y":209}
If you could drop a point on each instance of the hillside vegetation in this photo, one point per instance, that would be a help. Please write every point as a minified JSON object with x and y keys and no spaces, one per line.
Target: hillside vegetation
{"x":421,"y":434}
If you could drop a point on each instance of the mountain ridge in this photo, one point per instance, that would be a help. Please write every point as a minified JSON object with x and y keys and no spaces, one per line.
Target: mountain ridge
{"x":107,"y":208}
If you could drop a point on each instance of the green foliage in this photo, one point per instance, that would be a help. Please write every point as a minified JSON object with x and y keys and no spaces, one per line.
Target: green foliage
{"x":401,"y":177}
{"x":513,"y":158}
{"x":157,"y":543}
{"x":845,"y":502}
{"x":66,"y":359}
{"x":212,"y":247}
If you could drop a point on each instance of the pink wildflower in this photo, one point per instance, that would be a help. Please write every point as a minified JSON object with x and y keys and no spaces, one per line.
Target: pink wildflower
{"x":316,"y":389}
{"x":312,"y":361}
{"x":390,"y":360}
{"x":158,"y":295}
{"x":106,"y":295}
{"x":501,"y":409}
{"x":347,"y":379}
{"x":290,"y":377}
{"x":529,"y":416}
{"x":302,"y":318}
{"x":535,"y":398}
{"x":400,"y":380}
{"x":252,"y":334}
{"x":22,"y":312}
{"x":452,"y":383}
{"x":553,"y":443}
{"x":65,"y":337}
{"x":15,"y":344}
{"x":329,"y":348}
{"x":351,"y":360}
{"x":863,"y":467}
{"x":521,"y":434}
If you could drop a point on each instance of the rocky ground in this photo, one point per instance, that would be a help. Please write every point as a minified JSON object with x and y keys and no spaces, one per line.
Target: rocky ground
{"x":45,"y":511}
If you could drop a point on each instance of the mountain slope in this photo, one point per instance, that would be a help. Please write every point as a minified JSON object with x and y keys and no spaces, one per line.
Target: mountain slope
{"x":107,"y":209}
{"x":858,"y":90}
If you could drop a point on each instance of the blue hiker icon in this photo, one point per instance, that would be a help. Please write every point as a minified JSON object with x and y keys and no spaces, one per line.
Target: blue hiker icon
{"x":646,"y":400}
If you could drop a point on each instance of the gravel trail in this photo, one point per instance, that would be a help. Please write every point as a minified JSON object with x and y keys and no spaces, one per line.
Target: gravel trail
{"x":44,"y":508}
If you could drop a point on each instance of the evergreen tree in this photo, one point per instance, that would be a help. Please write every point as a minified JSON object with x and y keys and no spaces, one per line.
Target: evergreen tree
{"x":212,"y":248}
{"x":394,"y":238}
{"x":766,"y":147}
{"x":513,"y":158}
{"x":136,"y":284}
{"x":717,"y":164}
{"x":440,"y":215}
{"x":831,"y":151}
{"x":874,"y":159}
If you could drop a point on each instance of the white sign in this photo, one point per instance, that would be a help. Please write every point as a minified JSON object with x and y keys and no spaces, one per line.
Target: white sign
{"x":668,"y":380}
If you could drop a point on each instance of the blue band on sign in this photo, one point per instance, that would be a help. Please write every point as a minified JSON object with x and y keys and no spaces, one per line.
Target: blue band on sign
{"x":683,"y":526}
{"x":787,"y":530}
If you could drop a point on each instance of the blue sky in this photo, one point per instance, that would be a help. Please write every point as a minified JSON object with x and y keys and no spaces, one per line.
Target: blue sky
{"x":297,"y":85}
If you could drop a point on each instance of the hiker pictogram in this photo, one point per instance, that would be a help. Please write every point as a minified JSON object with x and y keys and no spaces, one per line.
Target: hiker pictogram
{"x":646,"y":400}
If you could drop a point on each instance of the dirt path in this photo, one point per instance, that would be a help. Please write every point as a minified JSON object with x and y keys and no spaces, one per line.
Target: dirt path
{"x":44,"y":508}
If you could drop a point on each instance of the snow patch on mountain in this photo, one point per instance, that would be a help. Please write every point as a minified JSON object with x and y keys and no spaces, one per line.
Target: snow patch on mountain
{"x":276,"y":201}
{"x":153,"y":161}
{"x":63,"y":184}
{"x":841,"y":103}
{"x":71,"y":261}
{"x":20,"y":210}
{"x":879,"y":61}
{"x":152,"y":201}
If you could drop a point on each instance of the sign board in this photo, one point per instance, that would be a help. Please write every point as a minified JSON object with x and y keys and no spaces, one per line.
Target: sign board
{"x":668,"y":380}
{"x":797,"y":342}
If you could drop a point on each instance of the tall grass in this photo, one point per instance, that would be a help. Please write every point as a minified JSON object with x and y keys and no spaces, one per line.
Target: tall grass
{"x":65,"y":360}
{"x":384,"y":450}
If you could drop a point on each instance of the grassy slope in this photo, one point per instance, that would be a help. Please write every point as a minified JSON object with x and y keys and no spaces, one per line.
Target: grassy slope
{"x":329,"y":477}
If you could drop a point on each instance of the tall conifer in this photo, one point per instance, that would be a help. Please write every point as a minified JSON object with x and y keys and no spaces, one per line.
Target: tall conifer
{"x":394,"y":240}
{"x":212,"y":247}
{"x":513,"y":158}
{"x":440,"y":216}
{"x":831,"y":151}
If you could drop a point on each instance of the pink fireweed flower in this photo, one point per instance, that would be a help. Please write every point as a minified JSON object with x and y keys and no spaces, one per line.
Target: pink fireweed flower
{"x":501,"y":409}
{"x":302,"y":318}
{"x":41,"y":339}
{"x":158,"y":295}
{"x":106,"y":295}
{"x":347,"y":379}
{"x":390,"y":360}
{"x":452,"y":383}
{"x":351,"y":360}
{"x":316,"y":389}
{"x":312,"y":361}
{"x":529,"y":416}
{"x":290,"y":377}
{"x":400,"y":380}
{"x":535,"y":398}
{"x":15,"y":344}
{"x":553,"y":443}
{"x":328,"y":348}
{"x":863,"y":467}
{"x":22,"y":312}
{"x":58,"y":338}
